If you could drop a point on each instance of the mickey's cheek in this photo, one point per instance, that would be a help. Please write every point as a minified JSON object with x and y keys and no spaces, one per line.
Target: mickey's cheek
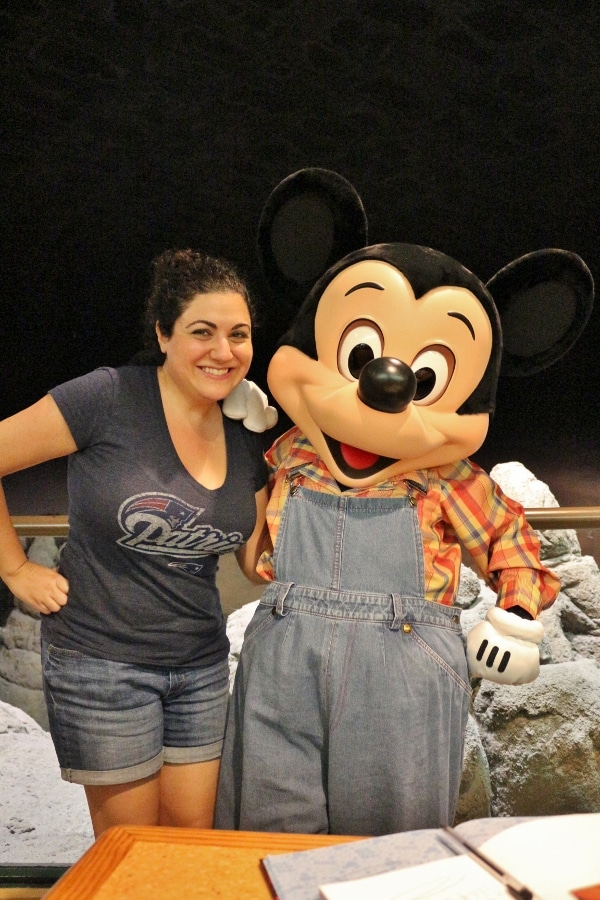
{"x":288,"y":370}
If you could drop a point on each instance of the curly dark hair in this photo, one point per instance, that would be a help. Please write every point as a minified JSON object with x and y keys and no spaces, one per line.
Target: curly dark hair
{"x":177,"y":276}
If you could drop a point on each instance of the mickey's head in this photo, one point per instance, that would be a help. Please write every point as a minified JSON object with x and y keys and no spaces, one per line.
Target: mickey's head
{"x":392,"y":361}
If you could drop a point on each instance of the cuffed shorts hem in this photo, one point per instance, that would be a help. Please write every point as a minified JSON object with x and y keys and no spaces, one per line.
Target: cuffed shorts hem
{"x":182,"y":755}
{"x":114,"y":776}
{"x":170,"y":755}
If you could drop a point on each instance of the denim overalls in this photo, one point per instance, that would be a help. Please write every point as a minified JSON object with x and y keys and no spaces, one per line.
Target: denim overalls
{"x":352,"y":693}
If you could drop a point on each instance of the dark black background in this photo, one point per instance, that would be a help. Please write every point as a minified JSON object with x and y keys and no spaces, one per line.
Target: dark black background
{"x":131,"y":126}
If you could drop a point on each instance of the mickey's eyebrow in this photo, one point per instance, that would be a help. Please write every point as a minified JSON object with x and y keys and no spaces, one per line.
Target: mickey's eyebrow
{"x":379,"y":287}
{"x":457,"y":315}
{"x":365,"y":284}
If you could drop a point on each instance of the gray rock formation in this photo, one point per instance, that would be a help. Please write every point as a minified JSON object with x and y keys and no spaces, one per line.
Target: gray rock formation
{"x":43,"y":819}
{"x":538,"y":751}
{"x":20,"y":669}
{"x":542,"y":741}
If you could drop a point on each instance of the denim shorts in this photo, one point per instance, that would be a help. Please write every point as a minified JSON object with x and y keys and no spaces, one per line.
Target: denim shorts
{"x":114,"y":722}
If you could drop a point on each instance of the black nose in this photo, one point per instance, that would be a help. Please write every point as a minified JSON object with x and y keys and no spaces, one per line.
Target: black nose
{"x":387,"y":384}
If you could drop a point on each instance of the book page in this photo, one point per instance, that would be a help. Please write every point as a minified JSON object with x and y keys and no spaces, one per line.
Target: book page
{"x":552,"y":855}
{"x":454,"y":878}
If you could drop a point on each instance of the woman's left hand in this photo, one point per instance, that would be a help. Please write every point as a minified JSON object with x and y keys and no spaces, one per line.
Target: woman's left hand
{"x":42,"y":588}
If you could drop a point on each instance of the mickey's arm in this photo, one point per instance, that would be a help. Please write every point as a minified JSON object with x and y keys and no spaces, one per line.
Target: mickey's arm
{"x":505,"y":646}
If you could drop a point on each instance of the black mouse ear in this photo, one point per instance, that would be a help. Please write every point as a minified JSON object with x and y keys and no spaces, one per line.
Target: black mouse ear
{"x":312,"y":219}
{"x":544,"y":301}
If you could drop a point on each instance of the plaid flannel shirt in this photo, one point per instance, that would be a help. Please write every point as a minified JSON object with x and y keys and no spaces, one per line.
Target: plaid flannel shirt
{"x":457,"y":504}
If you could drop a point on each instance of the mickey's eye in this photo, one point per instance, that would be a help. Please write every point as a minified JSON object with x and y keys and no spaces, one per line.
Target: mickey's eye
{"x":433,"y":370}
{"x":361,"y":342}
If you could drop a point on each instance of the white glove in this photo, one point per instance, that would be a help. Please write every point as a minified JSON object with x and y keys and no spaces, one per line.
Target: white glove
{"x":249,"y":403}
{"x":504,"y":648}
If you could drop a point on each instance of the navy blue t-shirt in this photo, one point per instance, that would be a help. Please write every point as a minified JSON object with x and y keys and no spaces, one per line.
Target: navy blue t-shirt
{"x":145,"y":537}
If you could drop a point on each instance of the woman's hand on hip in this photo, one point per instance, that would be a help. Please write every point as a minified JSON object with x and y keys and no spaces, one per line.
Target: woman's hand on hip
{"x":40,"y":587}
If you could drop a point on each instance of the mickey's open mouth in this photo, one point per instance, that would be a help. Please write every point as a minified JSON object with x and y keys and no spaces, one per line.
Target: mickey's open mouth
{"x":354,"y":462}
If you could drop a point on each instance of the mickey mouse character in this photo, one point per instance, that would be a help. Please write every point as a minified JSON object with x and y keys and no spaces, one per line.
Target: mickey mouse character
{"x":352,"y":692}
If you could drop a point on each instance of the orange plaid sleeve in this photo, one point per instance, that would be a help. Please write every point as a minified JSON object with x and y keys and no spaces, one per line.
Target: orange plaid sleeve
{"x":493,"y":530}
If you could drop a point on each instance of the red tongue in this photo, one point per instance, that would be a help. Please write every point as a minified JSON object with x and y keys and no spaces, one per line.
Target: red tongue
{"x":358,"y":459}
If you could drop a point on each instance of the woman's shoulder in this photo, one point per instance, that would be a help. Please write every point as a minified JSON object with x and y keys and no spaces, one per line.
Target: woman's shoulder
{"x":132,"y":374}
{"x":127,"y":382}
{"x":105,"y":377}
{"x":89,"y":387}
{"x":89,"y":401}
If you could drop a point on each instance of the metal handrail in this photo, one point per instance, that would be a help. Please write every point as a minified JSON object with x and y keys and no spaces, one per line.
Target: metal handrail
{"x":548,"y":517}
{"x":544,"y":518}
{"x":36,"y":526}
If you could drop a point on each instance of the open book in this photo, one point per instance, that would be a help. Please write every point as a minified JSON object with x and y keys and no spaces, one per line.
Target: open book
{"x":555,"y":857}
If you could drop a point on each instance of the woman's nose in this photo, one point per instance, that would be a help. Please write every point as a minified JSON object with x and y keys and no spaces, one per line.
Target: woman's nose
{"x":221,"y":348}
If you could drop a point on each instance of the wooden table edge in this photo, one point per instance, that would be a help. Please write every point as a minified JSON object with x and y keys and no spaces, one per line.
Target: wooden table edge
{"x":84,"y":878}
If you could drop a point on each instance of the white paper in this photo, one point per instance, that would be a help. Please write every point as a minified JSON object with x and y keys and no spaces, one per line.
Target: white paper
{"x":453,"y":878}
{"x":553,"y":855}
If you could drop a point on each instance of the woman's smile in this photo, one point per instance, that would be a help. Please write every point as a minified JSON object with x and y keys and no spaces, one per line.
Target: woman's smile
{"x":210,"y":349}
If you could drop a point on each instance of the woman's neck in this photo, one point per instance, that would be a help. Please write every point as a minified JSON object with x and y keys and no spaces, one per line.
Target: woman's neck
{"x":203,"y":415}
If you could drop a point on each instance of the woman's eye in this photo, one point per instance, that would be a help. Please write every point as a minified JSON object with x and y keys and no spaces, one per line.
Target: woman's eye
{"x":433,"y":370}
{"x":361,"y":342}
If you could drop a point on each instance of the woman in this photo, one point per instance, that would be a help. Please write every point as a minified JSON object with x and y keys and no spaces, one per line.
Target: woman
{"x":134,"y":649}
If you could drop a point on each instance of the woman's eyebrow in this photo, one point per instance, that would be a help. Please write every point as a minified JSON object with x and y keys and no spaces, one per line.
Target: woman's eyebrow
{"x":201,"y":322}
{"x":461,"y":318}
{"x":214,"y":325}
{"x":365,"y":284}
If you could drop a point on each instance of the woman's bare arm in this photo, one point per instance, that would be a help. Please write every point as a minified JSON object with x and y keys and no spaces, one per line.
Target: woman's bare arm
{"x":248,"y":555}
{"x":28,"y":438}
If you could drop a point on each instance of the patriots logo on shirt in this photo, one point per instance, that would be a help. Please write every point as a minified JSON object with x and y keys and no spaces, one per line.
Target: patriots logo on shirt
{"x":164,"y":524}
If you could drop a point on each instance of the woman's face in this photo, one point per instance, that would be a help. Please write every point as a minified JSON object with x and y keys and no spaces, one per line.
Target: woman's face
{"x":210,"y":350}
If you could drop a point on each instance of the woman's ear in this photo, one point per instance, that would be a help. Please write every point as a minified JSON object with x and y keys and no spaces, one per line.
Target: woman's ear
{"x":162,"y":340}
{"x":544,"y":300}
